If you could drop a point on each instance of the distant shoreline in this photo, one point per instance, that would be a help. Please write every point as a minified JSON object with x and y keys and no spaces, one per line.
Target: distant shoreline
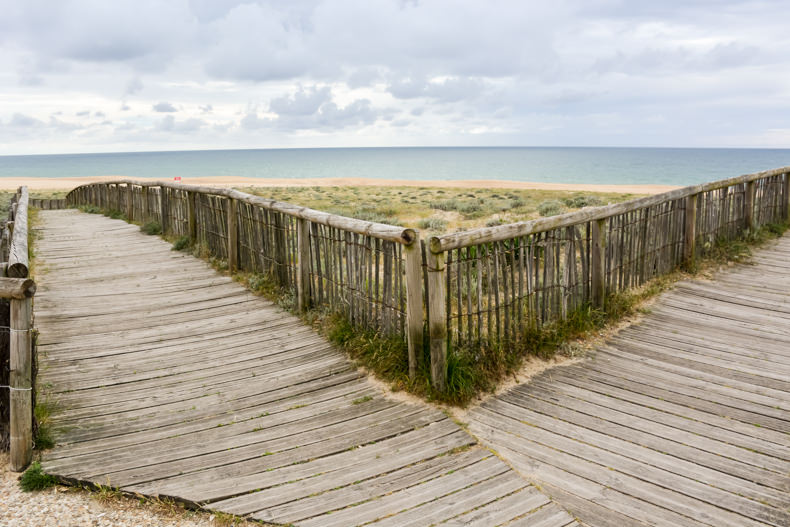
{"x":231,"y":181}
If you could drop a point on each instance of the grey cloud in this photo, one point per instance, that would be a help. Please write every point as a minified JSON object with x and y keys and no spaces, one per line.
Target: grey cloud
{"x":134,"y":86}
{"x":448,"y":90}
{"x":311,"y":109}
{"x":363,"y":77}
{"x":102,"y":31}
{"x":63,"y":126}
{"x":25,"y":121}
{"x":206,"y":108}
{"x":164,"y":107}
{"x":303,"y":102}
{"x":99,"y":114}
{"x":251,"y":121}
{"x":170,"y":124}
{"x":358,"y":113}
{"x":83,"y":113}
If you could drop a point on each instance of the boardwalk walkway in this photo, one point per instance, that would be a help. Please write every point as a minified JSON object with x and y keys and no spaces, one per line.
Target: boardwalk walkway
{"x":174,"y":381}
{"x":680,"y":420}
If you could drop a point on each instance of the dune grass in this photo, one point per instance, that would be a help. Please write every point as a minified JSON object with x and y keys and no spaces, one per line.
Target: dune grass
{"x":438,"y":210}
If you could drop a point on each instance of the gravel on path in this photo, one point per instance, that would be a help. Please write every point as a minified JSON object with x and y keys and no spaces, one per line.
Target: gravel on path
{"x":62,"y":506}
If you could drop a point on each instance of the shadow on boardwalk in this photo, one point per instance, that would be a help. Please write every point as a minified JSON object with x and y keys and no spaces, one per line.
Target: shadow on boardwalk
{"x":681,"y":420}
{"x":176,"y":382}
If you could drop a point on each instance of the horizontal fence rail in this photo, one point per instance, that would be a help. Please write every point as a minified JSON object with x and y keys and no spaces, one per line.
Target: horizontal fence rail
{"x":480,"y":289}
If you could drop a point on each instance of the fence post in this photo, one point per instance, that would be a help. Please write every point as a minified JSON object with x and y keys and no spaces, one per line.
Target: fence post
{"x":21,"y":385}
{"x":787,"y":196}
{"x":414,"y":319}
{"x":144,"y":211}
{"x":130,"y":201}
{"x":690,"y":232}
{"x":748,"y":206}
{"x":164,"y":209}
{"x":303,"y":264}
{"x":233,"y":237}
{"x":191,"y":218}
{"x":598,"y":266}
{"x":437,"y":324}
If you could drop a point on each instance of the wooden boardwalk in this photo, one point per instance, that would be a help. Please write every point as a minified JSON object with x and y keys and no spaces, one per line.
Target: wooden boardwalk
{"x":174,"y":381}
{"x":680,"y":420}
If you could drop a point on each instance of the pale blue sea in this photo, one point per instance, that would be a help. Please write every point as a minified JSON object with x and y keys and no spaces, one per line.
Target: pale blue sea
{"x":669,"y":166}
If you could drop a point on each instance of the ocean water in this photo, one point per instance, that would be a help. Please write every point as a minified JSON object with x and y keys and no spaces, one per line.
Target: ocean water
{"x":664,"y":166}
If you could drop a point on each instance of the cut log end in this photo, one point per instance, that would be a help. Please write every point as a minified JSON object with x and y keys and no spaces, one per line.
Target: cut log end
{"x":17,"y":270}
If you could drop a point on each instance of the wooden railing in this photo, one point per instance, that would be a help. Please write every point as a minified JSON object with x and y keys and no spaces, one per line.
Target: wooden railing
{"x":370,"y":272}
{"x":488,"y":287}
{"x":17,"y":350}
{"x":479,"y":289}
{"x":48,"y":203}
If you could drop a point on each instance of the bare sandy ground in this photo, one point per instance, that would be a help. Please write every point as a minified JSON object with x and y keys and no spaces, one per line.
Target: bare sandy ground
{"x":70,"y":183}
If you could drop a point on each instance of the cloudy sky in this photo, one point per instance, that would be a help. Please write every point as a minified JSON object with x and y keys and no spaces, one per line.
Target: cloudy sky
{"x":101,"y":76}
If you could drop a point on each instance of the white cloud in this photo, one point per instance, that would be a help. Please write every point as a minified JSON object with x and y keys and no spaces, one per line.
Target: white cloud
{"x":319,"y":72}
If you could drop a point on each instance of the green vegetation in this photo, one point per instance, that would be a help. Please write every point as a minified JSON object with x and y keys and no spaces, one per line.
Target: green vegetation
{"x":151,"y":228}
{"x":433,"y":224}
{"x":90,"y":209}
{"x":35,"y":479}
{"x":433,"y":209}
{"x":182,"y":243}
{"x":45,"y":408}
{"x":115,"y":214}
{"x":551,"y":207}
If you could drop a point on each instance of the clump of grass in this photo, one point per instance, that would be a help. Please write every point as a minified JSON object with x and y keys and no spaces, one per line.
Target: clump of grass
{"x":182,"y":243}
{"x":35,"y":478}
{"x":106,"y":493}
{"x":90,"y":209}
{"x":578,"y":202}
{"x":514,"y":203}
{"x":115,"y":214}
{"x":45,"y":408}
{"x":375,"y":216}
{"x":433,"y":224}
{"x":446,"y":204}
{"x":384,"y":355}
{"x":495,"y":222}
{"x":551,"y":207}
{"x":740,"y":249}
{"x":151,"y":228}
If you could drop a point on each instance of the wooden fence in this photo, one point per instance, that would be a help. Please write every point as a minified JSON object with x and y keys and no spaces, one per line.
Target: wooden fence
{"x":370,"y":272}
{"x":17,"y":361}
{"x":478,"y":289}
{"x":48,"y":203}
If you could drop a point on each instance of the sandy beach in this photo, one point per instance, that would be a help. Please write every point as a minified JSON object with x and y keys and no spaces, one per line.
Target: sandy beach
{"x":50,"y":184}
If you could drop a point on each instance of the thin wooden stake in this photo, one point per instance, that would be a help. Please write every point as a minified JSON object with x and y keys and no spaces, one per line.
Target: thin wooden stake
{"x":748,"y":206}
{"x":598,"y":264}
{"x":303,"y":264}
{"x":414,"y":304}
{"x":233,"y":237}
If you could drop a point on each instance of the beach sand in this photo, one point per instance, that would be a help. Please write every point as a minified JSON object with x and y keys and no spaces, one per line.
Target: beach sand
{"x":51,"y":184}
